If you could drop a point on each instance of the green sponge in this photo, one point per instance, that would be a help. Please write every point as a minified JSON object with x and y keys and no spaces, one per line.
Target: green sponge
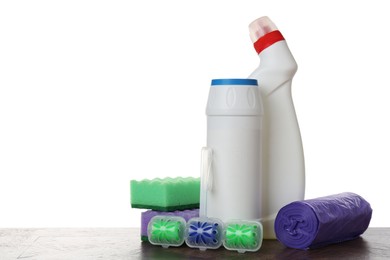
{"x":166,"y":194}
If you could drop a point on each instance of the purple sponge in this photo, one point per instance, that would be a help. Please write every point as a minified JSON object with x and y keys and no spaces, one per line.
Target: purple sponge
{"x":148,"y":215}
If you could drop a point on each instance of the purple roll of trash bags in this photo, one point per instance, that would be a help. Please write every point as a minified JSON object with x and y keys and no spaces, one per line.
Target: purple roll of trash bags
{"x":322,"y":221}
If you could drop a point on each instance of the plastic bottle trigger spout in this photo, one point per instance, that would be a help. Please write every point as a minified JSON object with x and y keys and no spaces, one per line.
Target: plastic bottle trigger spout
{"x":230,"y":170}
{"x":283,"y":172}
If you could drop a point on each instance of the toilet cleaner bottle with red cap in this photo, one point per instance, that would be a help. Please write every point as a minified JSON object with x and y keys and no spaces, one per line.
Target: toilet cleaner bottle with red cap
{"x":283,"y":168}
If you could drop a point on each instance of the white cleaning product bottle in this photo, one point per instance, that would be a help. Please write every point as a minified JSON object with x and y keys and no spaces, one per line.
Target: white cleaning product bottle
{"x":230,"y":179}
{"x":283,"y":179}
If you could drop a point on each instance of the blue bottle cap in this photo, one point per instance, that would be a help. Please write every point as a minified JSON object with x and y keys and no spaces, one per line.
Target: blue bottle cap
{"x":246,"y":82}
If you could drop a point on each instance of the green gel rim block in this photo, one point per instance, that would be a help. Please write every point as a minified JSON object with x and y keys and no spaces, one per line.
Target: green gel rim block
{"x":166,"y":231}
{"x":243,"y":236}
{"x":166,"y":194}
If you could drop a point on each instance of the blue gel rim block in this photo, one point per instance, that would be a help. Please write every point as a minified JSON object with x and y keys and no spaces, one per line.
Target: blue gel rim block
{"x":204,"y":233}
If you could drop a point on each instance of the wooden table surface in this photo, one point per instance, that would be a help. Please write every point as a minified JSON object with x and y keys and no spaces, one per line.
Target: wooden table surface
{"x":124,"y":243}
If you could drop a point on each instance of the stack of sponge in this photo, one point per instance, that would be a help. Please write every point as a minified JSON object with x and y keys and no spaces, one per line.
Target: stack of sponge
{"x":169,"y":196}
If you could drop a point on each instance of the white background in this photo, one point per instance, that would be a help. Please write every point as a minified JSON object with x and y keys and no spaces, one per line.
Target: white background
{"x":96,"y":93}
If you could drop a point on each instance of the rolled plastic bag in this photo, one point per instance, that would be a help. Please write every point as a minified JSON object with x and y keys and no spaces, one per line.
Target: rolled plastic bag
{"x":322,"y":221}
